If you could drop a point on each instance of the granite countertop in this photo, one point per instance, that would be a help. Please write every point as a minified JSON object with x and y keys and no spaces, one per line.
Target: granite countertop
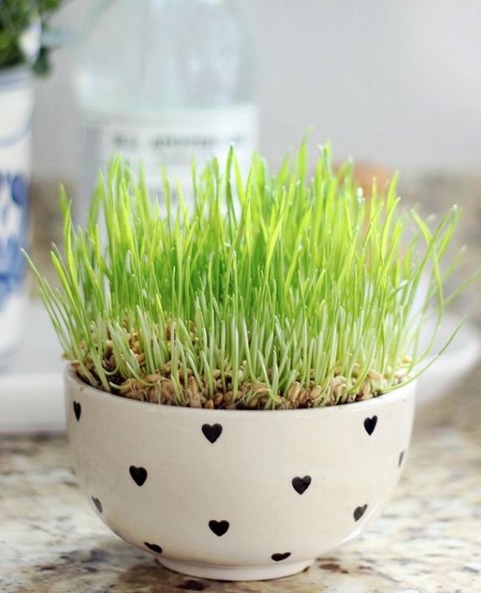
{"x":428,"y":539}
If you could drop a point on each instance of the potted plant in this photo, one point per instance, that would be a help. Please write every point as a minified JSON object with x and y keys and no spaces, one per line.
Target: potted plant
{"x":23,"y":49}
{"x":240,"y":387}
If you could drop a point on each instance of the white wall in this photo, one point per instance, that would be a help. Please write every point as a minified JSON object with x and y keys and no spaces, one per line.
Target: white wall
{"x":394,"y":81}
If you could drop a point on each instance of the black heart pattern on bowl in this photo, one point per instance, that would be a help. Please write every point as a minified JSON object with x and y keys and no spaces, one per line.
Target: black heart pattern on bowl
{"x":300,"y":485}
{"x":138,"y":474}
{"x":212,"y":432}
{"x":219,"y":527}
{"x":77,"y":410}
{"x":370,"y":425}
{"x":97,"y":503}
{"x":280,"y":557}
{"x":359,"y":512}
{"x":153,"y":547}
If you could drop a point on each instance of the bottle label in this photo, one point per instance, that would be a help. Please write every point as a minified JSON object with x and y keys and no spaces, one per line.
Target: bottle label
{"x":171,"y":139}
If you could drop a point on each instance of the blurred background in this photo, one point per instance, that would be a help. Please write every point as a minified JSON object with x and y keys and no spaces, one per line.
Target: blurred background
{"x":396,"y":83}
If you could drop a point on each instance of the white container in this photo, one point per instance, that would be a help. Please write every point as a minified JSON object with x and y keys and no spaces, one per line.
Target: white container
{"x":237,"y":495}
{"x":16,"y":111}
{"x":162,"y":81}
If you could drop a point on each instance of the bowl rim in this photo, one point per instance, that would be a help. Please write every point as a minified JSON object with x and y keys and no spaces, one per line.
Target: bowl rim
{"x":72,"y":379}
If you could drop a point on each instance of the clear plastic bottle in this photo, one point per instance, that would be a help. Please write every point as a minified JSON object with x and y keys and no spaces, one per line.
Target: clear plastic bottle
{"x":161,"y":81}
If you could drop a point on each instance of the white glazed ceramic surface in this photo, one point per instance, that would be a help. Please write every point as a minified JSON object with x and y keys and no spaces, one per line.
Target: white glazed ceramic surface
{"x":236,"y":495}
{"x":16,"y":109}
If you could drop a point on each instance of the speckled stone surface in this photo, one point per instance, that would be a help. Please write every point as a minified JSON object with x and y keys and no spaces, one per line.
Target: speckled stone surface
{"x":427,"y":541}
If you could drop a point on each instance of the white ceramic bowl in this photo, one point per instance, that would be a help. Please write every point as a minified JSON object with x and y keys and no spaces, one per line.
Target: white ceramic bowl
{"x":237,"y":495}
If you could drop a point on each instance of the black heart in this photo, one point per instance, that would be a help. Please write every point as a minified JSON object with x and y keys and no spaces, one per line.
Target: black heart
{"x":400,"y":460}
{"x":97,"y":504}
{"x":359,"y":512}
{"x":279,"y":557}
{"x":77,"y":408}
{"x":219,"y":527}
{"x":370,"y":424}
{"x":154,"y":547}
{"x":212,"y":432}
{"x":301,"y":484}
{"x":139,"y":474}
